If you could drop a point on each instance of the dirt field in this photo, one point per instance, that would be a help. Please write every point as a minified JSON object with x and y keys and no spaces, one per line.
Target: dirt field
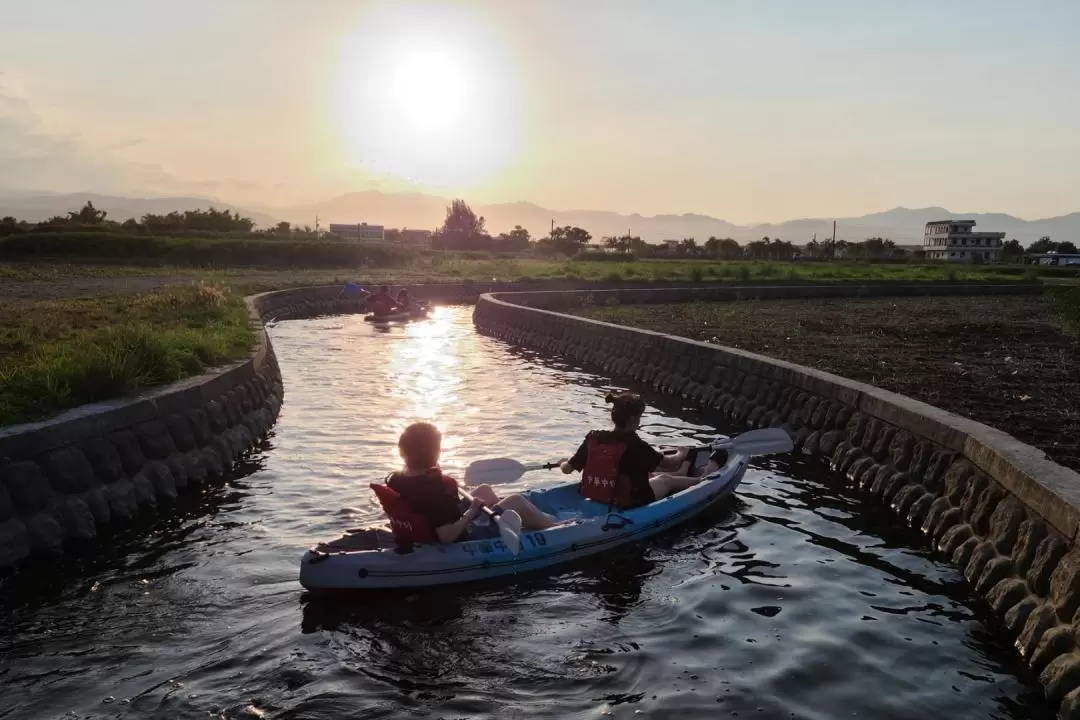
{"x":1003,"y":361}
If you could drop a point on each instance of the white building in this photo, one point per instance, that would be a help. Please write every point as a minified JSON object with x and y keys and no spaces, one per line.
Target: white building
{"x":954,"y":241}
{"x":362,"y":231}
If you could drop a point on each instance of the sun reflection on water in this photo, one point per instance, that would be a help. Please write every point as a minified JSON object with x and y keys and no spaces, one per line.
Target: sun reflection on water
{"x":426,"y":373}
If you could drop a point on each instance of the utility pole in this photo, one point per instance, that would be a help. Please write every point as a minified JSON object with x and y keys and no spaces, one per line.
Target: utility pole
{"x":316,"y":227}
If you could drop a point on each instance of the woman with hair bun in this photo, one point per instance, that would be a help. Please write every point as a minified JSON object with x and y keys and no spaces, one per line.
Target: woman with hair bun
{"x":616,"y":464}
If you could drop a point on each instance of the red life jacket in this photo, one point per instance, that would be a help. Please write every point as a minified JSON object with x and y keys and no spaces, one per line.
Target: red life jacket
{"x":601,"y":479}
{"x":408,"y":526}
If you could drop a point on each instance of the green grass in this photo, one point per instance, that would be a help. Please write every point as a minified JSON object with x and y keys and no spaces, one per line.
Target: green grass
{"x":1066,"y":300}
{"x":58,"y":354}
{"x":459,"y":267}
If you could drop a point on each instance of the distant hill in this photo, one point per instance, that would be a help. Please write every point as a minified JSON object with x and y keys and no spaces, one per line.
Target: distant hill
{"x":902,"y":225}
{"x":416,"y":210}
{"x":38,"y":207}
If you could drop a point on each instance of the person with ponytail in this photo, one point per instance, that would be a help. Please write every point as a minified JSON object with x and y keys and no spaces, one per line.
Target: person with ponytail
{"x":616,"y":464}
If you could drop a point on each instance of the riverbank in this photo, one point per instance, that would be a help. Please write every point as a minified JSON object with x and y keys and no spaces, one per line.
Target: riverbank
{"x":36,"y":280}
{"x":1005,"y":361}
{"x":57,"y":354}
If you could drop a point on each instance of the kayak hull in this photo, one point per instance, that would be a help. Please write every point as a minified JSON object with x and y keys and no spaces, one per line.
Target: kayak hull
{"x":589,"y":530}
{"x":397,"y":317}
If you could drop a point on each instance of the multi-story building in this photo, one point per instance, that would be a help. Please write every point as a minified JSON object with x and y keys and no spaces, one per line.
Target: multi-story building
{"x":954,"y":241}
{"x":362,"y":231}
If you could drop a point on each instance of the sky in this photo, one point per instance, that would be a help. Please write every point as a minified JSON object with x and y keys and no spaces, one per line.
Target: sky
{"x":747,"y":110}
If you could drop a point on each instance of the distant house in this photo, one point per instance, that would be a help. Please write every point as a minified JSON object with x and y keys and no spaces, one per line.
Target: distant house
{"x":358,"y":232}
{"x":955,"y":241}
{"x":671,"y":244}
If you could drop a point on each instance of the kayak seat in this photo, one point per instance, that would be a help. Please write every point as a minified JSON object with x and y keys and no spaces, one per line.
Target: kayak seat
{"x":407,"y":526}
{"x":566,"y":503}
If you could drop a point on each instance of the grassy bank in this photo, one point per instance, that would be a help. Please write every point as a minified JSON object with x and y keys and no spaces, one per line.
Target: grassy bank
{"x":456,"y":267}
{"x":58,"y":354}
{"x":1006,"y":361}
{"x":198,"y":251}
{"x":1066,"y":300}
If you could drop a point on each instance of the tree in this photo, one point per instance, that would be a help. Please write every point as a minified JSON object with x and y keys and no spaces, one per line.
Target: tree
{"x":688,"y":246}
{"x":131,"y":225}
{"x":566,"y":240}
{"x":88,"y":215}
{"x":621,"y":243}
{"x":283,"y":229}
{"x":9,"y":226}
{"x":873,"y":248}
{"x":1012,"y":250}
{"x":210,"y":220}
{"x":516,"y":240}
{"x":462,"y":229}
{"x":1045,"y":245}
{"x":725,"y":248}
{"x":1042,"y":245}
{"x":758,"y":249}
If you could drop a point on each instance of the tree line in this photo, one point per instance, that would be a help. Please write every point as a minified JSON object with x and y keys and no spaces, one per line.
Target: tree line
{"x":464,"y":230}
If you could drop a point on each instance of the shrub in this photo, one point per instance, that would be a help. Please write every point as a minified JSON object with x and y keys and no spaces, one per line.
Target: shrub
{"x":59,"y":359}
{"x":599,"y":256}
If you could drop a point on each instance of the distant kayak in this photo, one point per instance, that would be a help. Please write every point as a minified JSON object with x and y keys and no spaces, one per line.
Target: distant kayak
{"x":590,"y":527}
{"x":418,"y":313}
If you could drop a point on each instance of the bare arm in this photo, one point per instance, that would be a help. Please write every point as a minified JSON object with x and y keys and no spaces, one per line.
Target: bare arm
{"x":451,"y":532}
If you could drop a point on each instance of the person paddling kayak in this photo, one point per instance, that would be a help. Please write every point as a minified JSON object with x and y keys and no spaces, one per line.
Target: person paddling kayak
{"x":434,"y":496}
{"x":615,"y":465}
{"x":381,"y":303}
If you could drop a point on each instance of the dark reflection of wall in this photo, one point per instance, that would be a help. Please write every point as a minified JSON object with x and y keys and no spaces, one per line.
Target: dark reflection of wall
{"x":131,"y":550}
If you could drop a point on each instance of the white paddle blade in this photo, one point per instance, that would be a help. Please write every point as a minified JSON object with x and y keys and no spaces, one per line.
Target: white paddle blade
{"x":765,"y":441}
{"x":493,"y":472}
{"x":510,"y":530}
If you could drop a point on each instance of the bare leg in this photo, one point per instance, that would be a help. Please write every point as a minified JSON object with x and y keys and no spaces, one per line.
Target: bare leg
{"x":532,"y":517}
{"x":485,"y":493}
{"x":664,"y":485}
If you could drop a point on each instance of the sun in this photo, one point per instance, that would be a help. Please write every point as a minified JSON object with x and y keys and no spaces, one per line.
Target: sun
{"x":429,"y":90}
{"x":426,"y":97}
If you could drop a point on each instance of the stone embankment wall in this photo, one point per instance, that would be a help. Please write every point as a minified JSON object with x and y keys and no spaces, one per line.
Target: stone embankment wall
{"x":997,"y":508}
{"x":67,"y":479}
{"x":63,"y":480}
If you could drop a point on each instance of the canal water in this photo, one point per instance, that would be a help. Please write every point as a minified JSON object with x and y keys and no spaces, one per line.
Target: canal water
{"x":795,"y":599}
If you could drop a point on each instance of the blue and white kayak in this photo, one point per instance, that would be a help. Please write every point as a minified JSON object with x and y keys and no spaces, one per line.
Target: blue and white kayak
{"x":586,"y":528}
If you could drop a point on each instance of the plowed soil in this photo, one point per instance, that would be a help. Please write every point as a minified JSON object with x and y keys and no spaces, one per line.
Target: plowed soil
{"x":1003,"y":361}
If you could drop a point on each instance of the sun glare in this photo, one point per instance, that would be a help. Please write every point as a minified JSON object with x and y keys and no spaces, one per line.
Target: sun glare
{"x":426,"y":95}
{"x":429,"y":90}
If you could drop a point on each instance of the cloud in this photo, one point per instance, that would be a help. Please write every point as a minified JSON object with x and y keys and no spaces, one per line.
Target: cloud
{"x":33,"y":156}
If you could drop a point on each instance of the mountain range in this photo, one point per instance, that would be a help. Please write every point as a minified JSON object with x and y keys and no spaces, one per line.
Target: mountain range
{"x":415,"y":210}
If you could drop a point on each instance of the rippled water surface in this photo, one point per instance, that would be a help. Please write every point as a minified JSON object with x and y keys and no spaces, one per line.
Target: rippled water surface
{"x":794,"y":600}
